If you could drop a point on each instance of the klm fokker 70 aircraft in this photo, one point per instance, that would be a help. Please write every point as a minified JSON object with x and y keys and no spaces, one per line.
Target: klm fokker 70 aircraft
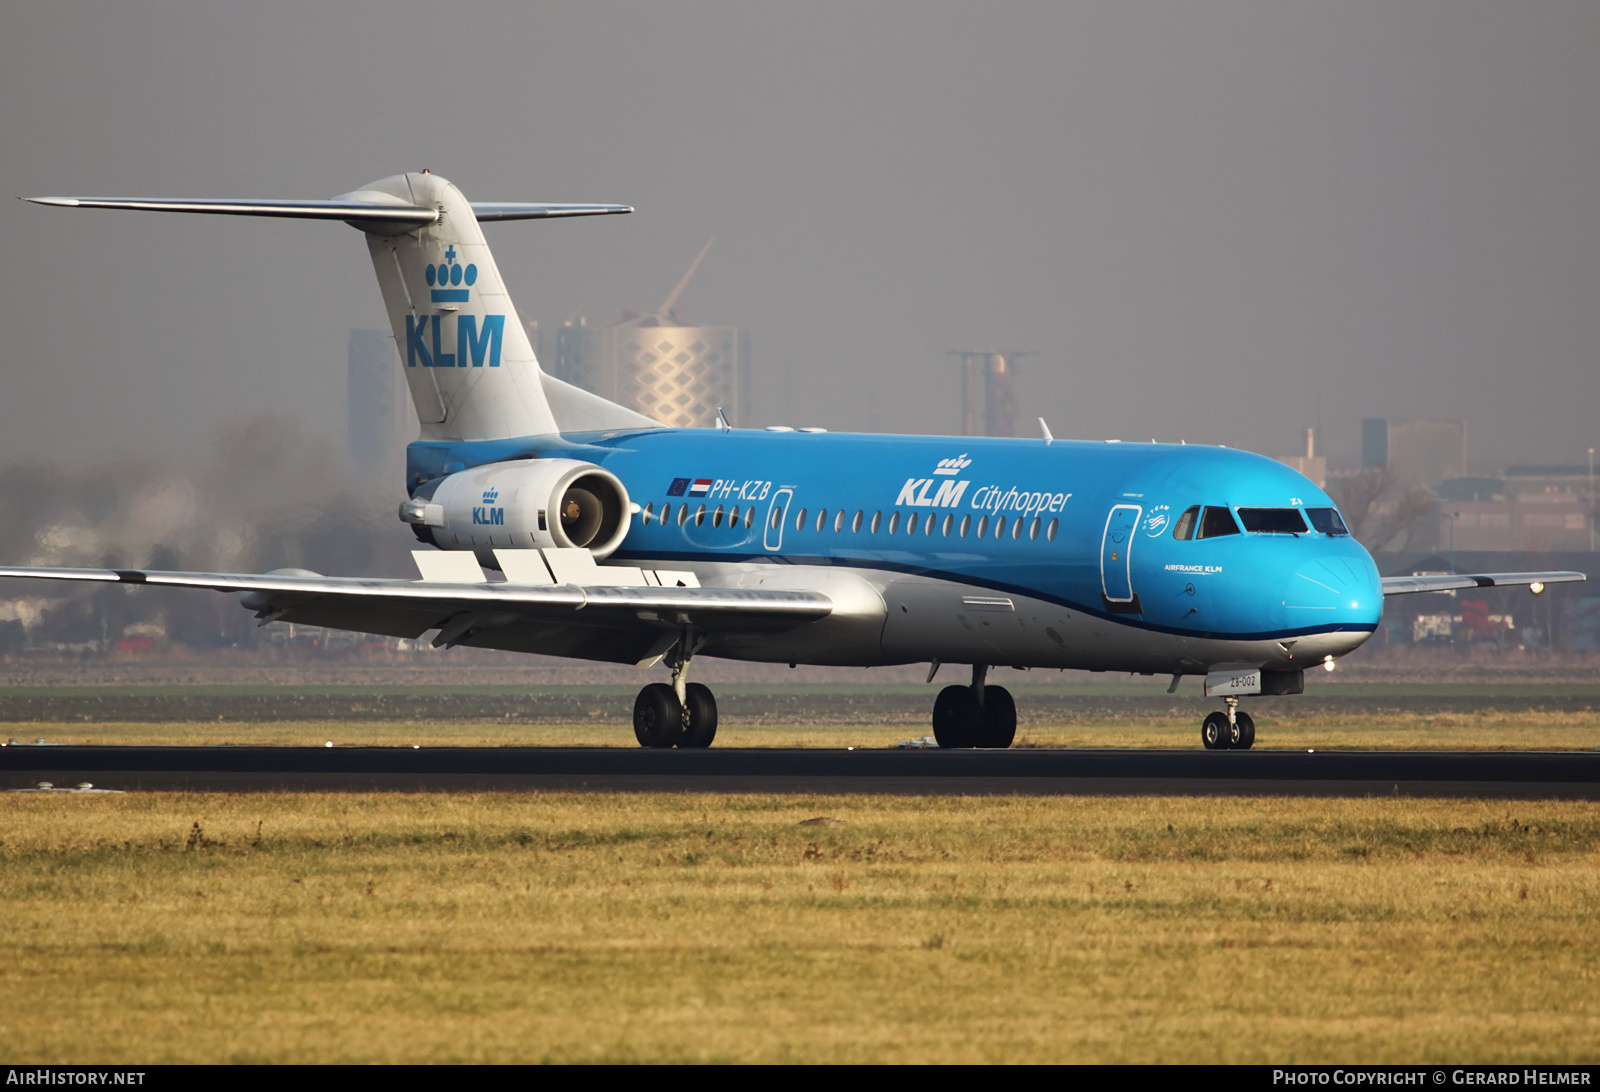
{"x":612,"y":538}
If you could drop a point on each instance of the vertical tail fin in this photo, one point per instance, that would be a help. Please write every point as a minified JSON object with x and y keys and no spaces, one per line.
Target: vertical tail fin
{"x":465,"y":354}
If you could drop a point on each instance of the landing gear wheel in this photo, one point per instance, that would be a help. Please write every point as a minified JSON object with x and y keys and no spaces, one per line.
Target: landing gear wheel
{"x":657,"y":716}
{"x":1216,"y":733}
{"x":957,"y":720}
{"x":999,"y":726}
{"x":702,"y":727}
{"x":1246,"y":735}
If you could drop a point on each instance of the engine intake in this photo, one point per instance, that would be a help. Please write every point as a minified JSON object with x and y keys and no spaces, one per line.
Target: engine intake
{"x":523,"y":504}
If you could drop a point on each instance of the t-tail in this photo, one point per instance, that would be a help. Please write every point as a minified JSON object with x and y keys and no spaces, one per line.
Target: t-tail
{"x":464,"y":352}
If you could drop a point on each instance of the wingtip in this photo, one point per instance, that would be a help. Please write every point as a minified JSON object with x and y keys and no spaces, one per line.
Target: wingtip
{"x":62,"y":202}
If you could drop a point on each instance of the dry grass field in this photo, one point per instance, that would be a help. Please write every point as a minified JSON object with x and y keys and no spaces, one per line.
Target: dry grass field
{"x":388,"y":928}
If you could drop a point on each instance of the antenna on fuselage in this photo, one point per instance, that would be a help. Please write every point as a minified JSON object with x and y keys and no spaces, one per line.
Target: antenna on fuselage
{"x":1044,"y":433}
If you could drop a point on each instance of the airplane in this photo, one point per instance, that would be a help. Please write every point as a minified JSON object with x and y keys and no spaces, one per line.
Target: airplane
{"x":613,"y":538}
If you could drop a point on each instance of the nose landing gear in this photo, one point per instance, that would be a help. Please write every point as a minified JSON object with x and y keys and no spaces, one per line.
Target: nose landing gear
{"x":1230,"y":731}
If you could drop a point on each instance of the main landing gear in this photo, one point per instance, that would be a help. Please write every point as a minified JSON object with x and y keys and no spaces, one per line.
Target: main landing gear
{"x":976,"y":715}
{"x":1230,"y":731}
{"x":683,"y":714}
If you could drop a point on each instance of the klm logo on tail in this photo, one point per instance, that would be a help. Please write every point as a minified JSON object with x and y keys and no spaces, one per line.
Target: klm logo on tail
{"x":425,"y":341}
{"x":426,"y":338}
{"x":447,"y":277}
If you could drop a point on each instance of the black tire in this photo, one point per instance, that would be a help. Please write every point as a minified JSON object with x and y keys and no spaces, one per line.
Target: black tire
{"x":957,"y":720}
{"x":1247,"y":732}
{"x":657,"y":716}
{"x":999,"y":718}
{"x":702,"y":716}
{"x":1215,"y":732}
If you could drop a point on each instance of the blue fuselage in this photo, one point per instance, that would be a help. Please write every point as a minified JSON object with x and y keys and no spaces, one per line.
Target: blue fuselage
{"x":1084,"y":529}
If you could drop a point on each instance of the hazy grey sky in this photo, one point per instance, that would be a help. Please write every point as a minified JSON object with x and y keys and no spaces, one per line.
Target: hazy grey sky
{"x":1211,"y":220}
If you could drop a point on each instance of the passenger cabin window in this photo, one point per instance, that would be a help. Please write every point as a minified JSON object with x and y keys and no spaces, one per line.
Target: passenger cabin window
{"x":1273,"y":521}
{"x":1327,"y":521}
{"x":1216,"y":522}
{"x":1183,"y":530}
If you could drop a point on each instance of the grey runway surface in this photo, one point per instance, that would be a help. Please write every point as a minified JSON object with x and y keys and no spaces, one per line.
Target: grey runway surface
{"x":1508,"y":774}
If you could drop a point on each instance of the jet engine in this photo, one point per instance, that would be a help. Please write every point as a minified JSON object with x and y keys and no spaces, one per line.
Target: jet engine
{"x":522,"y":504}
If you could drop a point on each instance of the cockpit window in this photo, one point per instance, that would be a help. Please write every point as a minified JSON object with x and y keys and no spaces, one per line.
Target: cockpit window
{"x":1216,"y":522}
{"x":1273,"y":521}
{"x":1327,"y":521}
{"x":1183,"y":530}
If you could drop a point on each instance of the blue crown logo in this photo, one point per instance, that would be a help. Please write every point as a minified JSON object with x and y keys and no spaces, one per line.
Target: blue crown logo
{"x":446,"y":278}
{"x":490,"y":496}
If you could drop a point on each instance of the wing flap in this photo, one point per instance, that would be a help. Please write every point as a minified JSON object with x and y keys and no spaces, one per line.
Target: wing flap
{"x":1412,"y":585}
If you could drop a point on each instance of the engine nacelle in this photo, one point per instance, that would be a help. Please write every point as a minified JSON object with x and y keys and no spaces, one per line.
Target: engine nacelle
{"x":523,"y":504}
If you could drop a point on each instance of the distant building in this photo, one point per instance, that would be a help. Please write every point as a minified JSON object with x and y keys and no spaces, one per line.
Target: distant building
{"x":1418,"y":453}
{"x":379,"y":420}
{"x":1310,"y":464}
{"x":674,"y":372}
{"x":1529,"y":508}
{"x":989,"y":391}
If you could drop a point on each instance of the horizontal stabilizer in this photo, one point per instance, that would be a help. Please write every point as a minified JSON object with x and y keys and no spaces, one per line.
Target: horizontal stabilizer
{"x":338,"y":208}
{"x":512,"y":210}
{"x":1411,"y":585}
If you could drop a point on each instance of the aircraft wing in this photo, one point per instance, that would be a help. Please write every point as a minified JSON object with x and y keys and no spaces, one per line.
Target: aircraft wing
{"x":498,"y":614}
{"x":1411,"y":585}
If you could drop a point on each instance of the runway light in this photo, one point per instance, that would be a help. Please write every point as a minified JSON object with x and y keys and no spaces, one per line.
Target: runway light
{"x":1537,"y":587}
{"x":328,"y":744}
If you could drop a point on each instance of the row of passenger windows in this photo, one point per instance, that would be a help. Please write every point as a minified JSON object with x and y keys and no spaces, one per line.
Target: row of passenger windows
{"x":1214,"y":522}
{"x":914,"y":523}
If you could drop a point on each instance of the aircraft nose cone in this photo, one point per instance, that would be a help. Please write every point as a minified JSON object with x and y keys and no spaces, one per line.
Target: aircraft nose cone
{"x":1333,"y":589}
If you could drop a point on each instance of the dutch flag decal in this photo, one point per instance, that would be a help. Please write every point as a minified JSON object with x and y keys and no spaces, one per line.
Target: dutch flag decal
{"x":700,"y":488}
